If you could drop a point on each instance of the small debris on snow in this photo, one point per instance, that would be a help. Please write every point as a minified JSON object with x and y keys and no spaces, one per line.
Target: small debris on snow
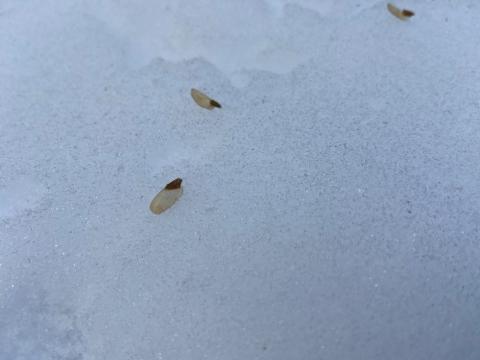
{"x":167,"y":197}
{"x":402,"y":14}
{"x":203,"y":100}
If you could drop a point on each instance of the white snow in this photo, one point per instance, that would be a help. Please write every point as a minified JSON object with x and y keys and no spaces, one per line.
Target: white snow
{"x":23,"y":194}
{"x":330,"y":208}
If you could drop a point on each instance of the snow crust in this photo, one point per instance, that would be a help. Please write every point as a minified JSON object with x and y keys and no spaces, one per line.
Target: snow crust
{"x":330,"y":208}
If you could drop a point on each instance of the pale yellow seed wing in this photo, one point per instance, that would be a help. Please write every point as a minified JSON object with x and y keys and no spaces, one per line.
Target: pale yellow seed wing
{"x":165,"y":199}
{"x":396,"y":12}
{"x":201,"y":99}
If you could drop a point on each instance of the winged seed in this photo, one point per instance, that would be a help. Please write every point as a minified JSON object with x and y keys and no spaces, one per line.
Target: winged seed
{"x":203,"y":100}
{"x":402,"y":14}
{"x":167,"y":197}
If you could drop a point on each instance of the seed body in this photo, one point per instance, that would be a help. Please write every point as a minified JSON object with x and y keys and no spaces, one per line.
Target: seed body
{"x":167,"y":197}
{"x":203,"y":100}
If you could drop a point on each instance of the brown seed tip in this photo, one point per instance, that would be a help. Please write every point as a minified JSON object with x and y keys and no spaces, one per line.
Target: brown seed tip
{"x":215,"y":103}
{"x":175,"y":184}
{"x":407,"y":13}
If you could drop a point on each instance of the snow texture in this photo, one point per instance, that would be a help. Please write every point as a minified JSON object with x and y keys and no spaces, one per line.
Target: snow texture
{"x":331,"y":208}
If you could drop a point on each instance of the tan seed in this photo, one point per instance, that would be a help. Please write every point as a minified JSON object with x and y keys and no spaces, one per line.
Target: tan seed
{"x":402,"y":14}
{"x":167,"y":197}
{"x":203,"y":100}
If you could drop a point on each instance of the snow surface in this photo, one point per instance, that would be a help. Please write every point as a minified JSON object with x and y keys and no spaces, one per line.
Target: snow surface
{"x":330,"y":211}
